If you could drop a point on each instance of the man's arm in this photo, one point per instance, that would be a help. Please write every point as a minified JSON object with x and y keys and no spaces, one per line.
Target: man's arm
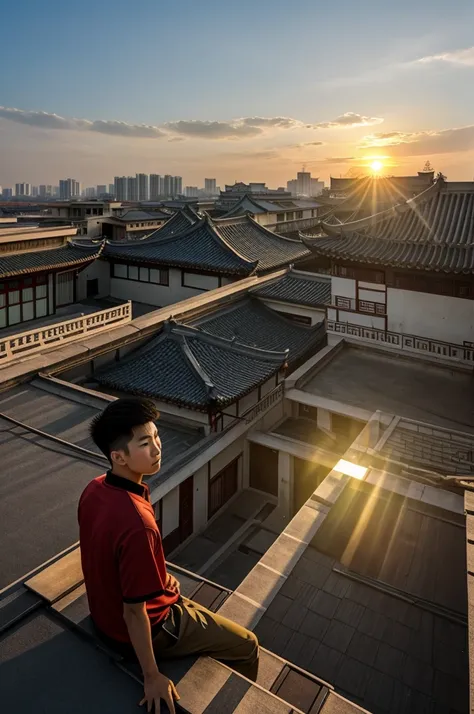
{"x":157,"y":686}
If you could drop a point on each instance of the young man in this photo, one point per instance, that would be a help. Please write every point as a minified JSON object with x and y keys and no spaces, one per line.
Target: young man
{"x":135,"y":604}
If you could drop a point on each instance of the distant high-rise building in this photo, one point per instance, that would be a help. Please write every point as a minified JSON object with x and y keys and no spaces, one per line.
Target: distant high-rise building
{"x":191,"y":192}
{"x":112,"y":189}
{"x":120,"y":188}
{"x":303,"y":179}
{"x":167,"y":185}
{"x":178,"y":185}
{"x":210,"y":186}
{"x":34,"y":191}
{"x":90,"y":192}
{"x":155,"y":186}
{"x":143,"y":187}
{"x":7,"y":193}
{"x":316,"y":187}
{"x":22,"y":189}
{"x":69,"y":188}
{"x":132,"y":188}
{"x":304,"y":185}
{"x":101,"y":189}
{"x":46,"y":191}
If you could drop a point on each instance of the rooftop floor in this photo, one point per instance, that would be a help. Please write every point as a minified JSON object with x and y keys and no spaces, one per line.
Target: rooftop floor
{"x":381,"y":613}
{"x":41,"y":480}
{"x":410,"y":388}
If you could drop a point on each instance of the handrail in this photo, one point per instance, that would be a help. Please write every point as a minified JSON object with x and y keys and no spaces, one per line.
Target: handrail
{"x":399,"y":340}
{"x":34,"y":341}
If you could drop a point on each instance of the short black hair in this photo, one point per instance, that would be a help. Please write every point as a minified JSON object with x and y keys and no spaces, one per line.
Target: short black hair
{"x":113,"y":428}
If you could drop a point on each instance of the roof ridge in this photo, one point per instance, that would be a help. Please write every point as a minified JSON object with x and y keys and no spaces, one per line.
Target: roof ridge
{"x":188,"y":331}
{"x":272,"y":234}
{"x":375,"y":218}
{"x":215,"y":233}
{"x":198,"y":369}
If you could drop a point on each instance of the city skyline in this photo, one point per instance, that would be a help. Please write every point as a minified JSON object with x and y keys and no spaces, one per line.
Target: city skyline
{"x":238,"y":100}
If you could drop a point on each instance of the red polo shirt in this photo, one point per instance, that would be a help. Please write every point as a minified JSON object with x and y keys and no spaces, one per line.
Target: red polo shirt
{"x":122,"y":556}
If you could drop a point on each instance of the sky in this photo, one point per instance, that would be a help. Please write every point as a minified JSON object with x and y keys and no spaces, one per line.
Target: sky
{"x":243,"y":90}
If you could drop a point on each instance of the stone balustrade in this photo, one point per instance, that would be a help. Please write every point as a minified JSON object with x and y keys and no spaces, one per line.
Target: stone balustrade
{"x":24,"y":344}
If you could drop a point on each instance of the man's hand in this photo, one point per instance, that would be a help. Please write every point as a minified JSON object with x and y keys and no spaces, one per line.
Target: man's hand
{"x":158,"y":687}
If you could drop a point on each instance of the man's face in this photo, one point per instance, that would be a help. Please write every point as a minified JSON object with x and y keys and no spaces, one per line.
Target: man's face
{"x":144,"y":451}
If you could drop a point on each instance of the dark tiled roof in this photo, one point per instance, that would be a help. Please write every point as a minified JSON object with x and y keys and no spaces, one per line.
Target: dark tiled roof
{"x":257,"y":243}
{"x":198,"y":247}
{"x":248,"y":204}
{"x":297,"y":288}
{"x":188,"y":366}
{"x":434,"y":231}
{"x":135,"y":214}
{"x":252,"y":323}
{"x":67,"y":256}
{"x":178,"y":223}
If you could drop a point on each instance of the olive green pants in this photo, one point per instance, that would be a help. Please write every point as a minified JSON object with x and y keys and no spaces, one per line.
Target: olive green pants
{"x":191,"y":629}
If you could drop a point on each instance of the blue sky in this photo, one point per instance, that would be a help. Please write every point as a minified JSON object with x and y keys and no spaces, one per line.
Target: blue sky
{"x":356,"y":79}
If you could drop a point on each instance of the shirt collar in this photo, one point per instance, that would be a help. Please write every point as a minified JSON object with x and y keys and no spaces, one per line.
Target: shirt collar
{"x":125,"y":483}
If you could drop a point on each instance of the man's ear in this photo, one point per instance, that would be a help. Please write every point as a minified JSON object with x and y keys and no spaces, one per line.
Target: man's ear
{"x":117,"y":457}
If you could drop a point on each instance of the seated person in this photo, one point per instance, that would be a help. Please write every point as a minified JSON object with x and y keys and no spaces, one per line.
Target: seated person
{"x":134,"y":603}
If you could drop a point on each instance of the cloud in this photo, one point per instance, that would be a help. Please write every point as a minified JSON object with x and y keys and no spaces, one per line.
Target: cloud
{"x":348,"y":120}
{"x":458,"y":57}
{"x":213,"y":129}
{"x":45,"y":120}
{"x":339,"y":159}
{"x":400,"y":143}
{"x":176,"y":138}
{"x":282,"y":122}
{"x":265,"y":155}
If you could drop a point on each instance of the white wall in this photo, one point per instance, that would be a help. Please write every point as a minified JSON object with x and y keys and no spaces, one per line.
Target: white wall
{"x":357,"y":318}
{"x":220,"y":461}
{"x":437,"y":316}
{"x":248,"y":401}
{"x":231,"y":409}
{"x":345,"y":287}
{"x":372,"y":296}
{"x":159,"y":295}
{"x":98,"y":269}
{"x":170,"y":510}
{"x":202,"y":282}
{"x":314,"y":314}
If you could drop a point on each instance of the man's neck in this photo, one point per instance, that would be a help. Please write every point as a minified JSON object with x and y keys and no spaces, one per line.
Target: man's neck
{"x":126,"y":473}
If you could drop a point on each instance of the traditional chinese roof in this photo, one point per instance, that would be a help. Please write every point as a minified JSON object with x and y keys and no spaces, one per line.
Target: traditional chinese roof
{"x":297,"y":288}
{"x":249,"y":204}
{"x":433,"y":231}
{"x":67,"y":256}
{"x":252,"y":323}
{"x":238,"y":246}
{"x":178,"y":223}
{"x":135,"y":214}
{"x":199,"y":246}
{"x":190,"y":367}
{"x":257,"y":243}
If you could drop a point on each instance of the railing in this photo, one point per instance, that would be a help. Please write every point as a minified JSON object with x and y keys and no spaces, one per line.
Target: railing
{"x":27,"y":343}
{"x":410,"y":343}
{"x":264,"y":404}
{"x":368,"y":307}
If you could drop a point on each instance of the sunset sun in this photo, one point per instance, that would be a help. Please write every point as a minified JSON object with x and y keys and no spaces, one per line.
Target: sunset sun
{"x":376,"y":166}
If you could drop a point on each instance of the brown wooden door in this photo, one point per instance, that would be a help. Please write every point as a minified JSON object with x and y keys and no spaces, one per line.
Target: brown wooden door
{"x":186,"y":504}
{"x":223,"y":486}
{"x":263,"y":469}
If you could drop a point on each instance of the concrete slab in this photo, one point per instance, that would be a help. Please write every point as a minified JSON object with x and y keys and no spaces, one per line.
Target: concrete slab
{"x":410,"y":388}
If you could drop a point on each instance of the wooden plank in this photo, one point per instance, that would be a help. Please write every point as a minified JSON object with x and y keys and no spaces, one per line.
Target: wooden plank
{"x":58,"y":579}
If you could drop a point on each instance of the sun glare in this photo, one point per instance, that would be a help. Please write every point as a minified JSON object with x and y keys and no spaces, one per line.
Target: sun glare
{"x":376,"y":166}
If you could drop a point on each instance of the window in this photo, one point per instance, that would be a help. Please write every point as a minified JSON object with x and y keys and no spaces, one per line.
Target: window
{"x":280,"y":217}
{"x":23,"y":300}
{"x":299,"y":214}
{"x":290,"y":216}
{"x":343,"y":302}
{"x":159,"y":276}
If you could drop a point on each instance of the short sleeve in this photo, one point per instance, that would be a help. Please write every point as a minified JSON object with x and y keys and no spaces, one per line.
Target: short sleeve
{"x":139,"y":571}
